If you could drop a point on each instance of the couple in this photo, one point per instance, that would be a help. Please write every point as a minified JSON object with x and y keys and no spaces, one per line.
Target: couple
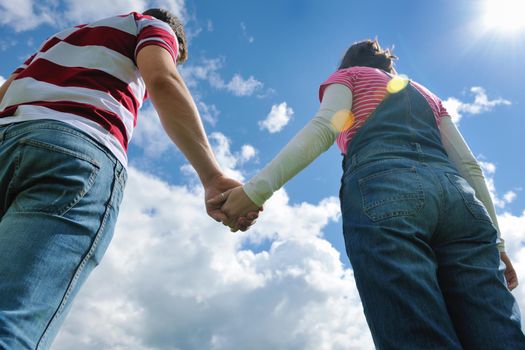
{"x":419,"y":226}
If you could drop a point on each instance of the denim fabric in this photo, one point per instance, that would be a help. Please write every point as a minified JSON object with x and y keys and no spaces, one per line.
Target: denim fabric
{"x":60,"y":194}
{"x":422,"y":246}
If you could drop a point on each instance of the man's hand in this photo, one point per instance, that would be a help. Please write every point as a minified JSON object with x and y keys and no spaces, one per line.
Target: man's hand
{"x":214,"y":189}
{"x":239,"y":209}
{"x":510,"y":273}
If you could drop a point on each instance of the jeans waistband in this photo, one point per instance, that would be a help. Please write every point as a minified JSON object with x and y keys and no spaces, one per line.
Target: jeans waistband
{"x":16,"y":129}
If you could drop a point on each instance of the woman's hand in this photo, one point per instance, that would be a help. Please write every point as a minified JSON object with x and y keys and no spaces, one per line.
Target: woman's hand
{"x":510,"y":273}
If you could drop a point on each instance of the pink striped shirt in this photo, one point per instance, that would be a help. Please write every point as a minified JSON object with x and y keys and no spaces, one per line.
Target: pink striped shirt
{"x":87,"y":76}
{"x":369,"y":88}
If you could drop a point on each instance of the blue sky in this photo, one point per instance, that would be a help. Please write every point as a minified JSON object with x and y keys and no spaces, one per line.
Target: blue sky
{"x":254,"y":69}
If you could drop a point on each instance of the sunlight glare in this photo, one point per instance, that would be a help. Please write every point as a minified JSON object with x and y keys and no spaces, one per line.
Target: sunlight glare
{"x":505,"y":15}
{"x":343,"y":120}
{"x":397,"y":83}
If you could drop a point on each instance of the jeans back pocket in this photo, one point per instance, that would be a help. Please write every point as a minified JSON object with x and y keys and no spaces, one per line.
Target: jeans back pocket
{"x":474,"y":205}
{"x":390,"y":193}
{"x":51,"y":179}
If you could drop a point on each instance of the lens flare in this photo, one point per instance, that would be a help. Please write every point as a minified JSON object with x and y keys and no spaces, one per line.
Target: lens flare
{"x":343,"y":120}
{"x":397,"y":83}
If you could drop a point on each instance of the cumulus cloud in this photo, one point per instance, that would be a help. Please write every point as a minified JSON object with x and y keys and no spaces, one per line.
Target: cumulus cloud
{"x":29,"y":14}
{"x":2,"y":80}
{"x":277,"y":119}
{"x":489,"y":169}
{"x":209,"y":113}
{"x":208,"y":71}
{"x":481,"y":103}
{"x":513,"y":231}
{"x":247,"y":153}
{"x":149,"y":134}
{"x":245,"y":34}
{"x":26,"y":14}
{"x":243,"y":87}
{"x":175,"y":279}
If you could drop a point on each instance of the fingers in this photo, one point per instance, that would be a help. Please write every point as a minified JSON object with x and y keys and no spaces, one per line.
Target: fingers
{"x":218,"y":215}
{"x":219,"y":199}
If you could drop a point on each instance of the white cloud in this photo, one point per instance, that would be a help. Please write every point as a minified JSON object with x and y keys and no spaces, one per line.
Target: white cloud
{"x":227,"y":160}
{"x":277,"y":119}
{"x":29,"y":14}
{"x":6,"y":44}
{"x":26,"y":14}
{"x":480,"y":104}
{"x":513,"y":232}
{"x":175,"y":279}
{"x":87,"y":11}
{"x":245,"y":34}
{"x":209,"y":71}
{"x":489,"y":169}
{"x":243,"y":87}
{"x":2,"y":80}
{"x":209,"y":113}
{"x":509,"y":196}
{"x":149,"y":134}
{"x":247,"y":152}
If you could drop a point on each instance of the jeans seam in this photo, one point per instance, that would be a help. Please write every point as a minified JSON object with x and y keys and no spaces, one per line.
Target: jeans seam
{"x":13,"y":178}
{"x":80,"y":267}
{"x":55,"y":148}
{"x":48,"y":124}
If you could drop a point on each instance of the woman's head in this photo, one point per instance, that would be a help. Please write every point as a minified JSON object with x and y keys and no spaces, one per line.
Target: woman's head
{"x":368,"y":53}
{"x":177,"y":27}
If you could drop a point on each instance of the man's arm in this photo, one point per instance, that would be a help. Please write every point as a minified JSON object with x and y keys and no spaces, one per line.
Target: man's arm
{"x":5,"y":86}
{"x":176,"y":109}
{"x":180,"y":119}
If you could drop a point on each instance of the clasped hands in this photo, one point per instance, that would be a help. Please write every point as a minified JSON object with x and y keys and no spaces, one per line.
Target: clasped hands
{"x":227,"y":202}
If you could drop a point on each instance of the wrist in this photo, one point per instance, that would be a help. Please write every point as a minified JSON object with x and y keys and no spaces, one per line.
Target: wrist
{"x":212,"y":178}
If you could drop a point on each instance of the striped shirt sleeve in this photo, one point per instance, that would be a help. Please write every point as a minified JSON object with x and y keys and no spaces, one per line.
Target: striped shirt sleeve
{"x":342,"y":77}
{"x":155,"y":32}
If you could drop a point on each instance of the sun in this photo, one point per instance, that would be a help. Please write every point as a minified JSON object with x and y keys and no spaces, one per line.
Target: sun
{"x":505,"y":15}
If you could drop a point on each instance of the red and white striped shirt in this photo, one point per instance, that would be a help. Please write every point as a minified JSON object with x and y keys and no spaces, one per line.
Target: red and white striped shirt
{"x":369,"y":88}
{"x":87,"y":76}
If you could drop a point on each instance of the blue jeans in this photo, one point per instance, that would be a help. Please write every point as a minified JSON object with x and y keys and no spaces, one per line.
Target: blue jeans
{"x":425,"y":258}
{"x":60,"y":197}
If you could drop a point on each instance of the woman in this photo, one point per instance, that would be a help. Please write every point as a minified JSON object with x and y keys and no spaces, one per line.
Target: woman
{"x":419,"y":225}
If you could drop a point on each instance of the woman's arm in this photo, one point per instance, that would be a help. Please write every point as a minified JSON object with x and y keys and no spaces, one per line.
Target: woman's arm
{"x":314,"y":139}
{"x":467,"y":165}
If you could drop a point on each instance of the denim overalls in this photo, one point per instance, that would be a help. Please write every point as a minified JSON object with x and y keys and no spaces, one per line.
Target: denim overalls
{"x":422,"y":246}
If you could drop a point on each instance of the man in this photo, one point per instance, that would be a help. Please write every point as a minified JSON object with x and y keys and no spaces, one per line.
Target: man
{"x":66,"y":119}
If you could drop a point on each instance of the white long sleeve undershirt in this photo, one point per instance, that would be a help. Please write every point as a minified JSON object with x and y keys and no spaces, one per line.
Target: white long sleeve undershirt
{"x":319,"y":134}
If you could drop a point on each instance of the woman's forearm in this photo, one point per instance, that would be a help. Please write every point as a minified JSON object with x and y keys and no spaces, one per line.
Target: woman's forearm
{"x":314,"y":139}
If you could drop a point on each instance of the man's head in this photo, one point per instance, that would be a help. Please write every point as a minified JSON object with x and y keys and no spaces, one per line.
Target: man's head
{"x":368,"y":53}
{"x":177,"y":27}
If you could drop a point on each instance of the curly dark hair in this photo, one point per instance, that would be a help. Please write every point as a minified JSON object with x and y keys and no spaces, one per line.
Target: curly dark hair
{"x":176,"y":25}
{"x":368,"y":53}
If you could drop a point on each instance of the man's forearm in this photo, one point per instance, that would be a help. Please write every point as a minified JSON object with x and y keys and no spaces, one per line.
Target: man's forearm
{"x":181,"y":121}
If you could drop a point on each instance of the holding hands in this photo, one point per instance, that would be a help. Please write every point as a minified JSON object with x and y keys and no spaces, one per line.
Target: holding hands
{"x":236,"y":209}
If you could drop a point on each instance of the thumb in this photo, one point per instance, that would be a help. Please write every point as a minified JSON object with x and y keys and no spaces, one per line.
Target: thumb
{"x":220,"y":198}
